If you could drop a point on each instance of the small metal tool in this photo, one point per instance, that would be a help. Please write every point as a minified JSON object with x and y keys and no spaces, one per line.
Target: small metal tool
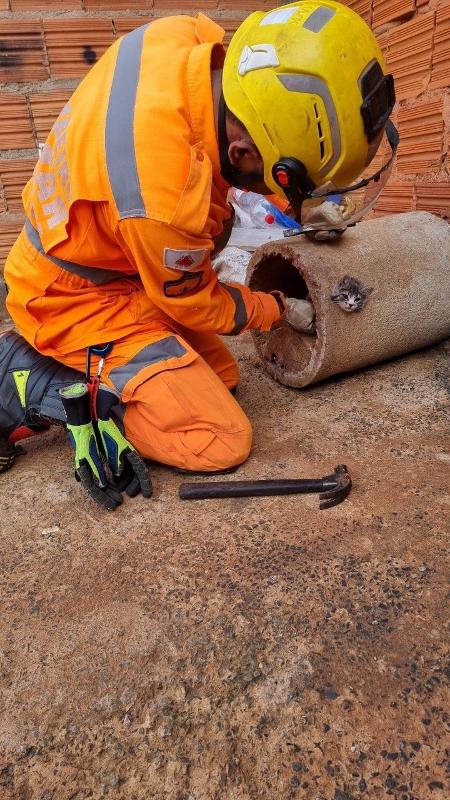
{"x":333,"y":488}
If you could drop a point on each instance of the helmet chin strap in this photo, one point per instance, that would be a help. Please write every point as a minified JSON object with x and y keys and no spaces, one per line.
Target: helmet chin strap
{"x":234,"y":177}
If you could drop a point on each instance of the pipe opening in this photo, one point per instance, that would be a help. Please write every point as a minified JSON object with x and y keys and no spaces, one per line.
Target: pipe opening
{"x":286,"y":352}
{"x":275,"y":272}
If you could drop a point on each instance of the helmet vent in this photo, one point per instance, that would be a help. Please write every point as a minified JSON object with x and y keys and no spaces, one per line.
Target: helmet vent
{"x":320,"y":132}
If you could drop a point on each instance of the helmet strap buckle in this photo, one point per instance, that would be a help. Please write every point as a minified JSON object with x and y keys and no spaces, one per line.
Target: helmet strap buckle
{"x":291,"y":176}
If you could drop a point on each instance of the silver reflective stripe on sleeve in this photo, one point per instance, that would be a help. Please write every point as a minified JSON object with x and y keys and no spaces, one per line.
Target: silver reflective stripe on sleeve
{"x":309,"y":84}
{"x":240,"y":314}
{"x":96,"y":275}
{"x":119,"y":135}
{"x":152,"y":354}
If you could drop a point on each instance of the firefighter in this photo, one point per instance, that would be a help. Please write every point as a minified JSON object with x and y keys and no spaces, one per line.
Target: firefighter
{"x":128,"y":201}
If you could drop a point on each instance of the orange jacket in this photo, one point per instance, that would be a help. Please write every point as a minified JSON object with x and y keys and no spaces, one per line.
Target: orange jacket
{"x":129,"y":181}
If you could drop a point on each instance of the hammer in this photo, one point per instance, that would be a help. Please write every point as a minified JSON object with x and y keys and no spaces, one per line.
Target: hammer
{"x":333,"y":488}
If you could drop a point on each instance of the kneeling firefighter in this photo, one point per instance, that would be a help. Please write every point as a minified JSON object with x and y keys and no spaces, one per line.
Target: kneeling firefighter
{"x":128,"y":202}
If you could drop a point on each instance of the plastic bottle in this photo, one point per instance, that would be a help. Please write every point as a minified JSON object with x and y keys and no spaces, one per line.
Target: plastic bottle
{"x":283,"y":219}
{"x":252,"y":209}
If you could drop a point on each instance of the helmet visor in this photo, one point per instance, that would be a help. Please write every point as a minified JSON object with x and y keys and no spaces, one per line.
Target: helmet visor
{"x":332,"y":207}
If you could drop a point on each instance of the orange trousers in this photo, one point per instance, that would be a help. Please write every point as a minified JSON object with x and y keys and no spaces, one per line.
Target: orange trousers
{"x":179,"y":409}
{"x":184,"y":416}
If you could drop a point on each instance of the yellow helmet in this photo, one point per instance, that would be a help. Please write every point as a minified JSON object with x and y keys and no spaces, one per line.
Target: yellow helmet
{"x":307,"y":81}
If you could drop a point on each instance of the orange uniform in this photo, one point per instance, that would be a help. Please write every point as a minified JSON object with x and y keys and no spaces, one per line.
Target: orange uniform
{"x":122,"y":211}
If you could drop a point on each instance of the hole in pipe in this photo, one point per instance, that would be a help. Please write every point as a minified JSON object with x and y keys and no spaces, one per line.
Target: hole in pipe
{"x":284,"y":348}
{"x":275,"y":272}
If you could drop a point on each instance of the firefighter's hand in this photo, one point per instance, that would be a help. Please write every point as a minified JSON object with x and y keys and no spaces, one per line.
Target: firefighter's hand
{"x":300,"y":315}
{"x":89,"y":464}
{"x":127,"y":467}
{"x":331,"y":215}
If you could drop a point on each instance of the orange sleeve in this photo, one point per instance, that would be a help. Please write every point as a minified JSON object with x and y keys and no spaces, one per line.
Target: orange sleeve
{"x":176,"y":271}
{"x":277,"y":201}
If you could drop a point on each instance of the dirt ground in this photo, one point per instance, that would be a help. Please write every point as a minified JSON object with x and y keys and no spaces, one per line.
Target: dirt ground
{"x":238,"y":649}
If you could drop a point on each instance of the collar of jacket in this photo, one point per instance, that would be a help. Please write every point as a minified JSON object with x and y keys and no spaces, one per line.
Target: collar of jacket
{"x":209,"y":54}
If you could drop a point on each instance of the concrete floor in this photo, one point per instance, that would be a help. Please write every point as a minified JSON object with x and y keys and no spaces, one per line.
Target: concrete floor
{"x":238,"y":649}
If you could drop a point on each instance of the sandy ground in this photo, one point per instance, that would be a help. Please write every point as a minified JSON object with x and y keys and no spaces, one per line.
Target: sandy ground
{"x":238,"y":649}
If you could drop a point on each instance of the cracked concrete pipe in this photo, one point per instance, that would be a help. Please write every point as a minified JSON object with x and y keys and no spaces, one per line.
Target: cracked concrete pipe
{"x":405,"y":258}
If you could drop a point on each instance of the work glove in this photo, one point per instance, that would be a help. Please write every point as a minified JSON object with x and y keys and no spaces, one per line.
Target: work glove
{"x":328,"y":213}
{"x":300,"y":314}
{"x":126,"y":465}
{"x":231,"y":265}
{"x":89,"y":465}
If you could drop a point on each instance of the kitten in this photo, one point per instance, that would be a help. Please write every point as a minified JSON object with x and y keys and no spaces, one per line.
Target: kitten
{"x":350,"y":294}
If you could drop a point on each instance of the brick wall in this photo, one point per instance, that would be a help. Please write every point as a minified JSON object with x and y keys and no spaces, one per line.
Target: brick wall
{"x":415,"y":38}
{"x":46,"y":46}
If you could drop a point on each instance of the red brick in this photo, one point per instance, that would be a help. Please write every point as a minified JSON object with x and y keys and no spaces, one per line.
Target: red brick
{"x":434,"y":197}
{"x":389,"y":10}
{"x":15,"y":128}
{"x":118,"y":5}
{"x":395,"y":198}
{"x":74,"y":44}
{"x":408,"y":51}
{"x":9,"y":232}
{"x":49,"y":5}
{"x":421,"y":130}
{"x":45,"y":107}
{"x":440,"y":75}
{"x":362,"y":7}
{"x":234,"y":5}
{"x":4,"y":5}
{"x":14,"y":173}
{"x":22,"y":56}
{"x":181,"y":6}
{"x":126,"y":24}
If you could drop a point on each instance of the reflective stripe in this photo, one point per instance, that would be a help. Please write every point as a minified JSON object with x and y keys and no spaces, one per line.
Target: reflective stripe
{"x":96,"y":275}
{"x":319,"y":18}
{"x":119,"y":135}
{"x":240,"y":314}
{"x":308,"y":84}
{"x":152,"y":354}
{"x":279,"y":16}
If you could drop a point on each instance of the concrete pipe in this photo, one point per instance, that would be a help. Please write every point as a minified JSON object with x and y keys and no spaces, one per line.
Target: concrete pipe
{"x":403,"y":258}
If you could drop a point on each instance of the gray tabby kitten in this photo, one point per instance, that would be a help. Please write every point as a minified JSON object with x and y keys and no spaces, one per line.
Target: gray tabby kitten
{"x":350,"y":294}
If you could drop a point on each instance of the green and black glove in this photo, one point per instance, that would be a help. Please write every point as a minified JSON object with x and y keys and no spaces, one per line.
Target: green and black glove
{"x":126,"y":465}
{"x":89,"y":464}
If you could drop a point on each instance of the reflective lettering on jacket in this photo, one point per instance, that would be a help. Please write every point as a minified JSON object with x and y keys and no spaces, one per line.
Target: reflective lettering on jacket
{"x":51,"y":175}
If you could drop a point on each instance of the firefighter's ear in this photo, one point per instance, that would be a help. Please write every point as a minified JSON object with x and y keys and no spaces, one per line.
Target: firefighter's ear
{"x":244,"y":155}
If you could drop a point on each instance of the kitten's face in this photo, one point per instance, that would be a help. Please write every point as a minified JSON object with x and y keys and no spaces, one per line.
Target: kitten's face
{"x":350,"y":294}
